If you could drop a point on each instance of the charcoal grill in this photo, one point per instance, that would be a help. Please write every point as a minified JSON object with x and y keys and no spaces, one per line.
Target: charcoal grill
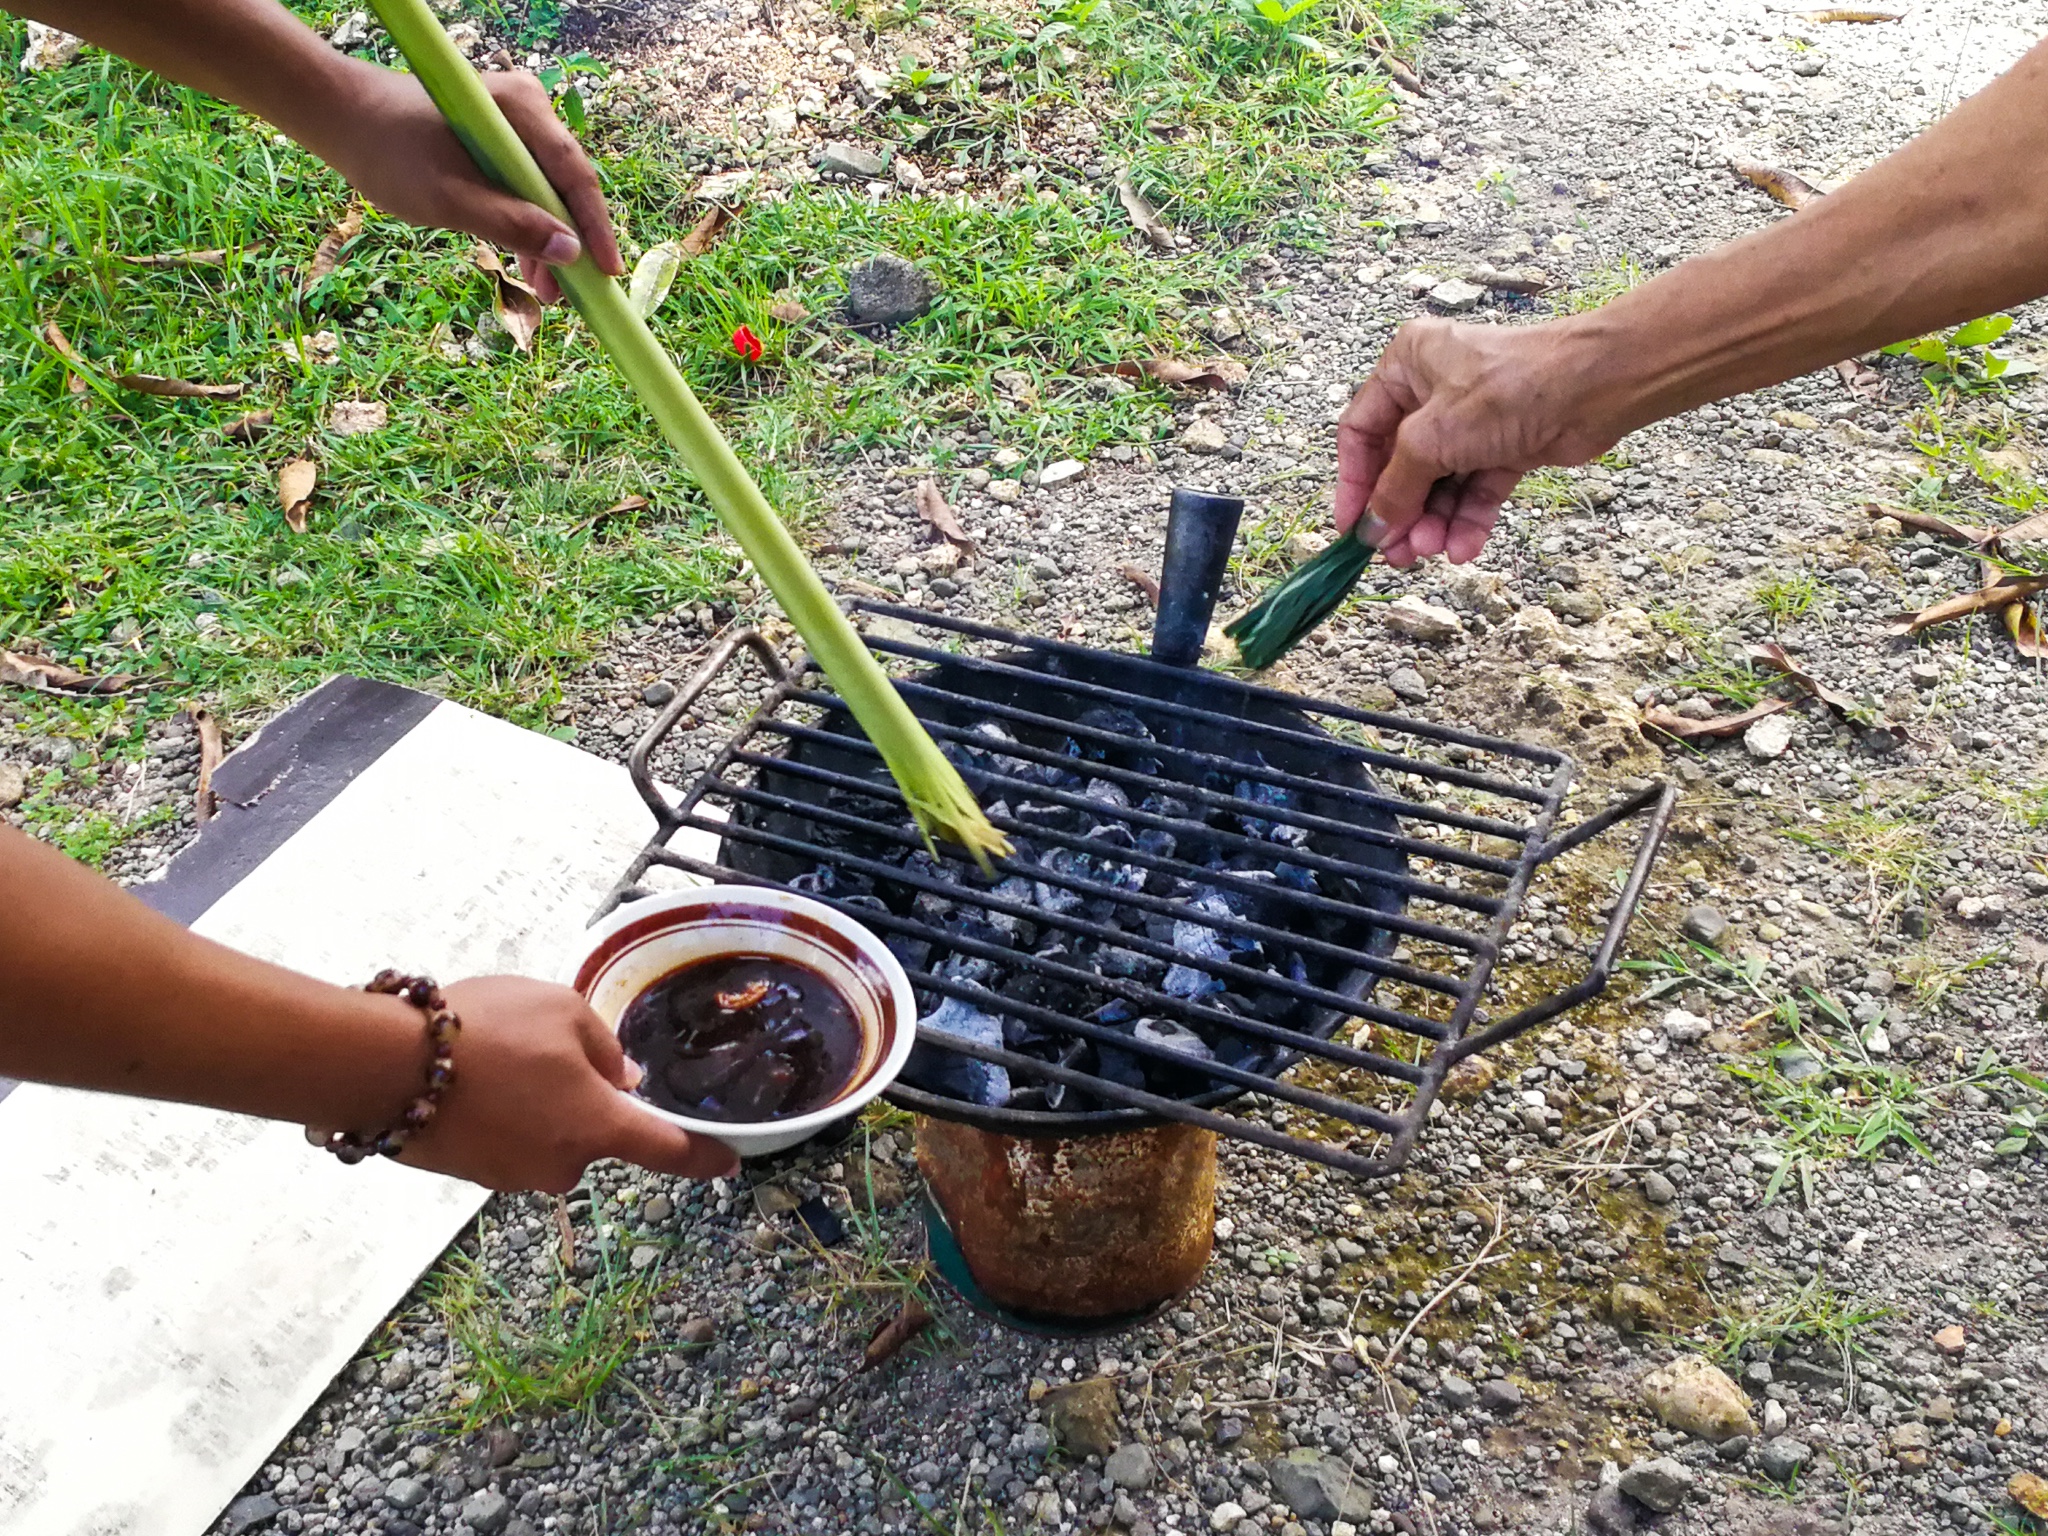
{"x":1370,"y":868}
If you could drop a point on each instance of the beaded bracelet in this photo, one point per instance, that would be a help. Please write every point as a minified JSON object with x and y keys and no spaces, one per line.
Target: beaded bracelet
{"x":442,"y":1028}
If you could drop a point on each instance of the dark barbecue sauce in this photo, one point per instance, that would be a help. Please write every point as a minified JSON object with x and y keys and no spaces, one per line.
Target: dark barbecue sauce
{"x":741,"y":1038}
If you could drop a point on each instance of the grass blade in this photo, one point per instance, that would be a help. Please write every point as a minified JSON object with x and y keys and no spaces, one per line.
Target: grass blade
{"x":1300,"y":601}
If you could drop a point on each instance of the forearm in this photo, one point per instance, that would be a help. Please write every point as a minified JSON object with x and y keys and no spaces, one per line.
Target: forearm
{"x":1952,"y":226}
{"x":97,"y":991}
{"x":253,"y":53}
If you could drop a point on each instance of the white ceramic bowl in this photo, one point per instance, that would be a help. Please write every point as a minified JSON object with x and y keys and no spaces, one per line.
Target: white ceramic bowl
{"x":644,"y":940}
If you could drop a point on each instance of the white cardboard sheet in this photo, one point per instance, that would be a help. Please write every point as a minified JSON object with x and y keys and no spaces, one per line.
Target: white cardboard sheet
{"x":177,"y":1285}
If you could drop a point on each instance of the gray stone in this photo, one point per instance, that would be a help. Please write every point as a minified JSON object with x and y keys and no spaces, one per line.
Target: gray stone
{"x":1130,"y":1466}
{"x":1203,"y":436}
{"x":1319,"y":1487}
{"x":1657,"y":1189}
{"x":404,"y":1493}
{"x":1408,"y":684}
{"x":396,"y":1374}
{"x":248,"y":1512}
{"x":1456,"y":296}
{"x":1034,"y":1440}
{"x":1060,"y":471}
{"x":1609,"y":1514}
{"x":1768,"y":738}
{"x":657,"y":1209}
{"x":1458,"y":1393}
{"x":1782,"y":1457}
{"x":1500,"y":1397}
{"x":486,"y":1511}
{"x":1704,"y":925}
{"x":657,"y":693}
{"x":842,"y":159}
{"x":1661,"y":1484}
{"x":13,"y":786}
{"x":887,"y":290}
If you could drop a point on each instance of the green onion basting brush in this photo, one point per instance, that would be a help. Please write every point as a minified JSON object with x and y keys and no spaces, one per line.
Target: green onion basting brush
{"x":1301,"y":600}
{"x":937,"y":796}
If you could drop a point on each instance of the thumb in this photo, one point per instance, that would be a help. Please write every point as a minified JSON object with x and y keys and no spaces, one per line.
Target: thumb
{"x":1401,"y":495}
{"x":638,"y":1137}
{"x":515,"y":225}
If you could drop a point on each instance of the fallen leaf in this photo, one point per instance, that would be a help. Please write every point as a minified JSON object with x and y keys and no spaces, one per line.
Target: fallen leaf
{"x":2023,"y":623}
{"x":75,"y":380}
{"x":1863,"y":381}
{"x":42,"y":675}
{"x":931,"y":506}
{"x":1143,"y":215}
{"x":1210,"y":373}
{"x":249,"y":426}
{"x":295,"y":482}
{"x":705,"y":232}
{"x":565,"y":1232}
{"x":653,"y":275}
{"x":2030,"y":1492}
{"x":517,"y":306}
{"x":1774,"y":656}
{"x":1788,"y":189}
{"x":327,"y":254}
{"x":1962,"y":606}
{"x":206,"y":803}
{"x":911,"y":1319}
{"x":179,"y":258}
{"x":788,"y":311}
{"x":1141,"y":578}
{"x":353,"y":418}
{"x":1926,"y":522}
{"x":1866,"y":17}
{"x":623,"y":504}
{"x":1402,"y":75}
{"x":317,"y":350}
{"x":179,"y":389}
{"x":1673,"y":724}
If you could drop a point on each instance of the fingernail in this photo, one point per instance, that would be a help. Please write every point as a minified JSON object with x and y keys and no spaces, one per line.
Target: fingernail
{"x":634,"y":1073}
{"x":561,"y":249}
{"x":1373,"y":531}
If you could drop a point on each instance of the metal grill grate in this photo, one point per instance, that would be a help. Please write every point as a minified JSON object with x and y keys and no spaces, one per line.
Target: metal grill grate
{"x":1404,"y":852}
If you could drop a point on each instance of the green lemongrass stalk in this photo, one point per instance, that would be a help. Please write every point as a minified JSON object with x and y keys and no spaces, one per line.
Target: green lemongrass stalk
{"x":1305,"y":597}
{"x":938,"y":797}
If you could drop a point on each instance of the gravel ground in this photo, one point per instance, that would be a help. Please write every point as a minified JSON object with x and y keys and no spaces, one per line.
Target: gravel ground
{"x":1553,"y":1388}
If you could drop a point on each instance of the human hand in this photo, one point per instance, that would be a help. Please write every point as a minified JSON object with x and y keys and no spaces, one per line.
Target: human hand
{"x":394,"y":147}
{"x":1451,"y":419}
{"x":538,"y":1094}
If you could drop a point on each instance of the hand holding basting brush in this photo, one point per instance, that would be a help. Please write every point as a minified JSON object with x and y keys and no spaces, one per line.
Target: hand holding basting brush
{"x":937,"y":796}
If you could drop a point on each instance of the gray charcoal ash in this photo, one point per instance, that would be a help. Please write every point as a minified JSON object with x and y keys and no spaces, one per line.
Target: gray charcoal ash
{"x":1173,"y":1037}
{"x":1108,"y":792}
{"x":938,"y":1071}
{"x":1112,"y":835}
{"x":1129,"y":964}
{"x":1054,"y":818}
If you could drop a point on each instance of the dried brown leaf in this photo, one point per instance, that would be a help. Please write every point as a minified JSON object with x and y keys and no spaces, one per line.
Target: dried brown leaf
{"x":178,"y":258}
{"x":205,"y":801}
{"x":79,"y":368}
{"x":931,"y":506}
{"x":1964,"y":604}
{"x":705,"y":232}
{"x":623,"y":505}
{"x":788,"y":311}
{"x":1966,"y":534}
{"x":1402,"y":75}
{"x":249,"y":426}
{"x":517,"y":306}
{"x":1143,"y":215}
{"x":1672,"y":724}
{"x":1774,"y":656}
{"x":2023,"y":623}
{"x":179,"y":389}
{"x":327,"y":254}
{"x":2027,"y":530}
{"x":1865,"y":17}
{"x":1141,"y":578}
{"x":2029,"y":1490}
{"x":1787,"y":188}
{"x":1862,"y":380}
{"x":295,"y":482}
{"x":1210,"y":373}
{"x":42,"y":675}
{"x":887,"y":1341}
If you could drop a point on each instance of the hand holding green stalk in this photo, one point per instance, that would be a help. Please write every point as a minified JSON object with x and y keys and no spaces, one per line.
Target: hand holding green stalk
{"x":936,"y":794}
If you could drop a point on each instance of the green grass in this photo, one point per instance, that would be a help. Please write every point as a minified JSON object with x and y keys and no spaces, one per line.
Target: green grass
{"x":560,"y":1363}
{"x":1604,"y":284}
{"x":1816,"y":1313}
{"x":1892,"y":853}
{"x":84,"y":833}
{"x":1785,"y":599}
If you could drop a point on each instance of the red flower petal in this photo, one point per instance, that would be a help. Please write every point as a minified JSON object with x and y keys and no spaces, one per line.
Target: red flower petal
{"x":747,"y":344}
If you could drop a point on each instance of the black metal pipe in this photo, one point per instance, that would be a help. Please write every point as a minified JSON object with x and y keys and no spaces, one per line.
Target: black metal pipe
{"x":1200,"y":528}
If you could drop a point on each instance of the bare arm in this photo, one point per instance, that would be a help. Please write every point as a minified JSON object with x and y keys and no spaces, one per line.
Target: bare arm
{"x":1952,"y":226}
{"x":375,"y":126}
{"x":100,"y":992}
